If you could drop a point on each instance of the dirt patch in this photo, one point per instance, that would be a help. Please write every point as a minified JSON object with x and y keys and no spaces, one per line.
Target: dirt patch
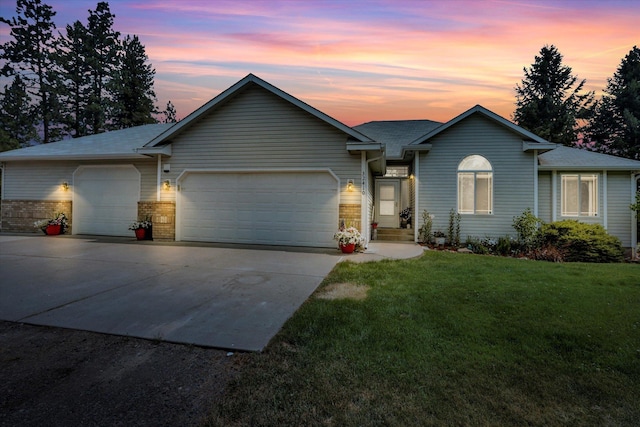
{"x":63,"y":377}
{"x":344,"y":291}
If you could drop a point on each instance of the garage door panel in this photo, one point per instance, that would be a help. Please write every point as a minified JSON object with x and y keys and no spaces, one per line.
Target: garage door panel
{"x":105,"y":200}
{"x":266,"y":208}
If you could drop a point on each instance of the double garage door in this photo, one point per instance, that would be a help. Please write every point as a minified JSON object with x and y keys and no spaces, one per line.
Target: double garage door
{"x":275,"y":208}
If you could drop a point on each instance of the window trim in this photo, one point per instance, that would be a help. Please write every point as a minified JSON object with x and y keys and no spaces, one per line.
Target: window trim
{"x":594,"y":178}
{"x":475,"y":173}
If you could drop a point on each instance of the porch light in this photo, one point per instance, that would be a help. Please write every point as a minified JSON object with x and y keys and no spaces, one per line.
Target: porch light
{"x":166,"y":184}
{"x":64,"y":186}
{"x":350,"y":185}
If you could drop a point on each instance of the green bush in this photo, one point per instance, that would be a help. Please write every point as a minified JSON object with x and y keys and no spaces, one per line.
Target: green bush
{"x":526,"y":225}
{"x":578,"y":241}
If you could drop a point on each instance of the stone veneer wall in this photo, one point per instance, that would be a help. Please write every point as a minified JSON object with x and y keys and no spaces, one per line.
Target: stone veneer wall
{"x":163,"y":216}
{"x":351,"y":215}
{"x":19,"y":215}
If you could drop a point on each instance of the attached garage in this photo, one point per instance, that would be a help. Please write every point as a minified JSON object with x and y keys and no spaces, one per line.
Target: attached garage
{"x":105,"y":199}
{"x":296,"y":208}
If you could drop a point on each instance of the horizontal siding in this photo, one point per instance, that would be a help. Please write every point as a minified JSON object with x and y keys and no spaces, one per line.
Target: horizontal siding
{"x":512,"y":176}
{"x":618,"y":199}
{"x":258,"y":130}
{"x":42,"y":180}
{"x":544,"y":197}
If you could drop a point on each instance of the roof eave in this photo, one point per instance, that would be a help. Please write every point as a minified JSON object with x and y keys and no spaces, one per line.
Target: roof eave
{"x":356,"y":147}
{"x":528,"y":146}
{"x":587,"y":168}
{"x":163,"y":149}
{"x":408,"y":150}
{"x":117,"y":156}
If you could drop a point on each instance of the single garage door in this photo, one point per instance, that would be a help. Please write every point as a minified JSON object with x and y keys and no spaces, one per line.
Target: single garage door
{"x":272,"y":208}
{"x":105,"y":199}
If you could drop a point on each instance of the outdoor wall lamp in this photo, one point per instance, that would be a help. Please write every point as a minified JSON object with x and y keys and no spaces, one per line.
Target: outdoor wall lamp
{"x":166,"y":184}
{"x":350,"y":185}
{"x":65,"y":186}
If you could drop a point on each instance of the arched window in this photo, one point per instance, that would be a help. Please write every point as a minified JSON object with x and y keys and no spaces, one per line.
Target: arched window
{"x":475,"y":186}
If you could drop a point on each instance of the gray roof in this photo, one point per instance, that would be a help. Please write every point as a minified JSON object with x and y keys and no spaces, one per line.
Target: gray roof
{"x":568,"y":158}
{"x":117,"y":144}
{"x":397,"y":133}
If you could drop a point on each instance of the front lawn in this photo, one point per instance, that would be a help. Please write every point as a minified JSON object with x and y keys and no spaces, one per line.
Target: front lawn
{"x":453,"y":339}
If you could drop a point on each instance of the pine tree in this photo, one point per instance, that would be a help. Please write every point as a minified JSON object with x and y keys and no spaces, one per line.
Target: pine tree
{"x":16,"y":122}
{"x":102,"y":60}
{"x":549,"y":102}
{"x":170,"y":115}
{"x":132,"y":87}
{"x":74,"y":76}
{"x":615,"y":127}
{"x":29,"y":54}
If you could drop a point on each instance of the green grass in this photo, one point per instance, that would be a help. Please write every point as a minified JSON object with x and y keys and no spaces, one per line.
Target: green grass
{"x":451,"y":339}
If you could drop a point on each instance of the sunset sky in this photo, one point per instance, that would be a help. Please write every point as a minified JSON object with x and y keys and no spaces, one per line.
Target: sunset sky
{"x":366,"y":60}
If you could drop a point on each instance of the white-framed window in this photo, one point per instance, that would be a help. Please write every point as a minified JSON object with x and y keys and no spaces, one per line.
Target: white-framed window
{"x":475,"y":186}
{"x":579,"y":195}
{"x":397,"y":172}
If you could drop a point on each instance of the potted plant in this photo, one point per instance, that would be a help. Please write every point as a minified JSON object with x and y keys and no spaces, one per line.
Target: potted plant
{"x":54,"y":226}
{"x":349,"y":239}
{"x":142,"y":229}
{"x":439,"y":237}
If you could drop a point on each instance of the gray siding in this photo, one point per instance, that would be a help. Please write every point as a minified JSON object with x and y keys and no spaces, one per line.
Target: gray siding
{"x":42,"y":180}
{"x":513,"y":178}
{"x":619,"y":217}
{"x":258,"y":130}
{"x":544,"y":196}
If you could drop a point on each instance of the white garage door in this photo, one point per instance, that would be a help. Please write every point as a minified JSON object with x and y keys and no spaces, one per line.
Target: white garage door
{"x":105,"y":199}
{"x":273,"y":208}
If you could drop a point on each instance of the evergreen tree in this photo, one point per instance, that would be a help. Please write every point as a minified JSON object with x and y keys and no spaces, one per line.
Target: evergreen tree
{"x":170,"y":115}
{"x":549,"y":102}
{"x":132,"y":87}
{"x":615,"y":127}
{"x":16,"y":122}
{"x":74,"y":76}
{"x":29,"y":54}
{"x":102,"y":60}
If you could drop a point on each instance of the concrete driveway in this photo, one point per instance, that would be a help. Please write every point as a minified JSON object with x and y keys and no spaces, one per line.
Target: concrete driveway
{"x":227,"y":298}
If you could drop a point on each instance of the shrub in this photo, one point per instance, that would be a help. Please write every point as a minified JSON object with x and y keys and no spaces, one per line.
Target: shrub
{"x":578,"y":241}
{"x":427,"y":225}
{"x":453,"y":232}
{"x":476,"y":246}
{"x":526,"y":225}
{"x":506,"y":246}
{"x":546,"y":253}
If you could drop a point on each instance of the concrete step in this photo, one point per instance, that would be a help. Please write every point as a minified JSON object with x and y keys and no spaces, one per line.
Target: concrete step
{"x":395,"y":234}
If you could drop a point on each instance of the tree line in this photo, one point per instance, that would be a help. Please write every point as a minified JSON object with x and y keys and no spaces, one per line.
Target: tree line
{"x":84,"y":80}
{"x":551,"y":103}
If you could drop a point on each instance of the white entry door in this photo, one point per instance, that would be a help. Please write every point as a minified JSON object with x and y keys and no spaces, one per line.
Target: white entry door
{"x":387,"y":195}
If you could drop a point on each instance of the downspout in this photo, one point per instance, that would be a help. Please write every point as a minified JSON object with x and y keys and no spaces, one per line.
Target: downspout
{"x":605,"y":202}
{"x":635,"y":178}
{"x":535,"y":182}
{"x":416,"y":183}
{"x":554,"y":196}
{"x":159,"y":178}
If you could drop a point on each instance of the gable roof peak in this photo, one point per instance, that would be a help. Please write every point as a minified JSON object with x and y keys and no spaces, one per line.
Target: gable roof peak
{"x":234,"y":90}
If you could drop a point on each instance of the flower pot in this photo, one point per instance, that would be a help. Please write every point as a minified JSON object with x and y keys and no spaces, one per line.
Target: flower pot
{"x":140,"y":233}
{"x":348,"y":248}
{"x":53,"y":229}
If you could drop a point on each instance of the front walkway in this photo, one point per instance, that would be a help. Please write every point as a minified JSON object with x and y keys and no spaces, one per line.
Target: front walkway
{"x":377,"y":251}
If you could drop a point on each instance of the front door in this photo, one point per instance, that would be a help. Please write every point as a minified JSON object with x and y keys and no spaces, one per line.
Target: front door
{"x":387,"y":195}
